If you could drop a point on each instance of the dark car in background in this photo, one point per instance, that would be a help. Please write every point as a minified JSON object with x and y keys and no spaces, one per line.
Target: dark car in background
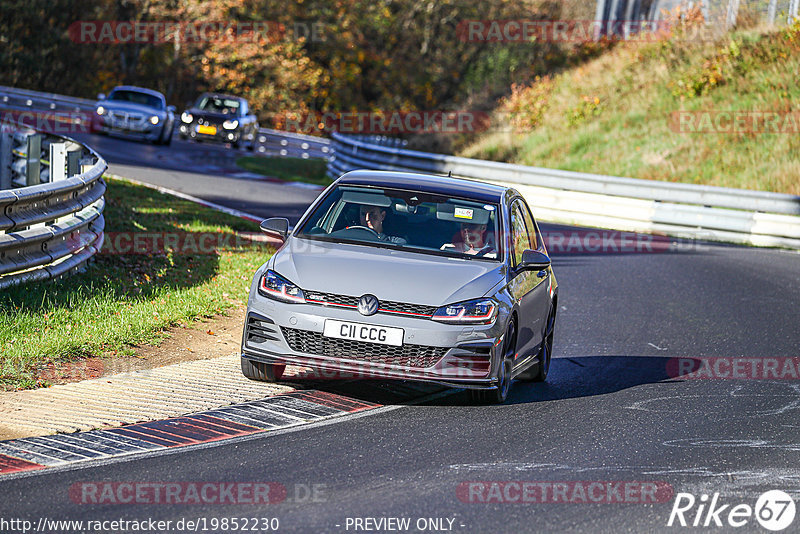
{"x":136,"y":111}
{"x":220,"y":117}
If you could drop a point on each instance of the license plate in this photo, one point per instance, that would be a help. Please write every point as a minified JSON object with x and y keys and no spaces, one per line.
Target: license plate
{"x":208,"y":130}
{"x":382,"y":335}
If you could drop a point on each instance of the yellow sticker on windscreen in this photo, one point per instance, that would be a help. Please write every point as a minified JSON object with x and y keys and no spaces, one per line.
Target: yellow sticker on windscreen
{"x":463,"y":213}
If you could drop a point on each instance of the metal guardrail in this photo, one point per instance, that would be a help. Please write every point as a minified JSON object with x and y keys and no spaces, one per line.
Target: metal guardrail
{"x":683,"y":210}
{"x":51,"y":224}
{"x":268,"y":142}
{"x":286,"y":144}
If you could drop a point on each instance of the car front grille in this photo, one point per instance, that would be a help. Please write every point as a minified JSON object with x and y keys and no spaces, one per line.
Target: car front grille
{"x":260,"y":330}
{"x":386,"y":306}
{"x":419,"y":356}
{"x":133,"y":119}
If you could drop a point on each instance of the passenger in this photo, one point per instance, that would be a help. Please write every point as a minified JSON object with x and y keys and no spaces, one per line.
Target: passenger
{"x":474,"y":240}
{"x":372,"y":217}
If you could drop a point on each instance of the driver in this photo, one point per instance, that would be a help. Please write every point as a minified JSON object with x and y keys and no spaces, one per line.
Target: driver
{"x":474,"y":239}
{"x":372,"y":217}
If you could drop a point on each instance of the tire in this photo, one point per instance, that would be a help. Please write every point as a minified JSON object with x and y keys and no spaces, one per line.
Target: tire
{"x":168,"y":140}
{"x":252,"y":146}
{"x":262,"y":372}
{"x":538,"y":372}
{"x":500,"y":393}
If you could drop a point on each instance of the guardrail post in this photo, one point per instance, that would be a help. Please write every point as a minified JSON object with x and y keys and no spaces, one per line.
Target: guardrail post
{"x":733,"y":13}
{"x":773,"y":7}
{"x":6,"y":142}
{"x":599,"y":18}
{"x":34,"y":159}
{"x":73,"y":163}
{"x":705,"y":9}
{"x":58,"y":161}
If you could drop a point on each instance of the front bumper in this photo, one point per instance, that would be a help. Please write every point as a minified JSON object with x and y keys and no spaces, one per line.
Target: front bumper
{"x":149,"y":131}
{"x":222,"y":135}
{"x":453,"y":355}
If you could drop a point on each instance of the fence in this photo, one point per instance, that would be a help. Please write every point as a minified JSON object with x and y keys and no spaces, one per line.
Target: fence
{"x":682,"y":210}
{"x":723,"y":14}
{"x":51,"y":206}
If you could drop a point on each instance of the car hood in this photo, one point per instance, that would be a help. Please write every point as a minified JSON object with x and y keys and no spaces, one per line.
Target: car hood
{"x":388,"y":274}
{"x":216,"y":117}
{"x":130,"y":107}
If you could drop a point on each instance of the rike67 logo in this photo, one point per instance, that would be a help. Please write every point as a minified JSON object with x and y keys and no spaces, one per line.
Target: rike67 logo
{"x":774,"y":510}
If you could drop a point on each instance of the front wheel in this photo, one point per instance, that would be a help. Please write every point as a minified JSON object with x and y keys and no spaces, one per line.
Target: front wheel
{"x":538,"y":372}
{"x":262,"y":372}
{"x":500,"y":393}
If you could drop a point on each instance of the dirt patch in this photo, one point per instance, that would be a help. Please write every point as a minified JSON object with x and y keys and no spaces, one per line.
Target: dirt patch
{"x":203,"y":340}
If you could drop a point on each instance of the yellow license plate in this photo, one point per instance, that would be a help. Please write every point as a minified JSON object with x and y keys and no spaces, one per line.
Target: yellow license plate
{"x":208,"y":130}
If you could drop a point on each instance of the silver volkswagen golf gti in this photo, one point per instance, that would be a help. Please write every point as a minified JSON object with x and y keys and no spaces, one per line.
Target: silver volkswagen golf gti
{"x":396,"y":275}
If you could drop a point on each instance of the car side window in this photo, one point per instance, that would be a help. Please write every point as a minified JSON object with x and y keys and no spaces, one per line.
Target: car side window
{"x":519,"y":233}
{"x":532,"y":234}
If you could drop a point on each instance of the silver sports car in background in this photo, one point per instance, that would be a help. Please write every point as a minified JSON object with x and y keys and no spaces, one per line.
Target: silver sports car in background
{"x":407,"y":276}
{"x":135,"y":111}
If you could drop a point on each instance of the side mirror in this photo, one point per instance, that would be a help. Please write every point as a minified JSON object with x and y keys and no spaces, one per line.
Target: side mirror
{"x":276,"y":227}
{"x":101,"y":96}
{"x":533,"y":260}
{"x":171,"y":108}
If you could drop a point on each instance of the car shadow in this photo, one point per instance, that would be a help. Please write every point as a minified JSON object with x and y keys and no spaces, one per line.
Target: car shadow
{"x":589,"y":376}
{"x":569,"y":378}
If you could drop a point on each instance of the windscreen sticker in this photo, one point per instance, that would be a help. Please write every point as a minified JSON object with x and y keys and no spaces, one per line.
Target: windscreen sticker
{"x":463,"y":213}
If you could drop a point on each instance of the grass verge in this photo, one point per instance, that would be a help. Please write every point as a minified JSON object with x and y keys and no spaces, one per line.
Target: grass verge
{"x":616,"y":115}
{"x":288,"y":169}
{"x":124,"y":300}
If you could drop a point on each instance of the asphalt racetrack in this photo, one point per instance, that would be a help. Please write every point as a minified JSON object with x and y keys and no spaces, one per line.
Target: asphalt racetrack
{"x":675,"y":372}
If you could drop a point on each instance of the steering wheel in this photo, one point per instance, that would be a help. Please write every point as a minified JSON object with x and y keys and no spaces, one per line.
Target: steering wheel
{"x":359,"y":227}
{"x":485,"y":250}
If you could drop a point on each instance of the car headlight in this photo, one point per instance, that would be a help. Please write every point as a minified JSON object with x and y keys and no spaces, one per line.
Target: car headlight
{"x":186,"y":117}
{"x":478,"y":311}
{"x":154,"y":120}
{"x":101,"y":110}
{"x":277,"y":287}
{"x":230,"y":125}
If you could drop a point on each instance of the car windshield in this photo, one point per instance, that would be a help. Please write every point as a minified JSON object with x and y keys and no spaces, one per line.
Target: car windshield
{"x":215,"y":104}
{"x":414,"y":220}
{"x":136,"y":97}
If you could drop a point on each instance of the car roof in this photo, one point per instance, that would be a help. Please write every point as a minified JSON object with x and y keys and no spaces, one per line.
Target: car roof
{"x":222,"y":95}
{"x":138,"y":89}
{"x":443,"y":185}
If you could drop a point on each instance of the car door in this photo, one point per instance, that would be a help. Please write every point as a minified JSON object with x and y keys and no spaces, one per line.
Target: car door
{"x":545,"y":281}
{"x":526,"y":287}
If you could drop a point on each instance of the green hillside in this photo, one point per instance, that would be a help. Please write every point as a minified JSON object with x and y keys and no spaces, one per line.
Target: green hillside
{"x":619,"y":114}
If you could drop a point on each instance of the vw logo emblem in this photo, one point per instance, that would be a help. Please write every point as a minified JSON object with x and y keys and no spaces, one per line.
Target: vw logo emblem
{"x":368,"y":305}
